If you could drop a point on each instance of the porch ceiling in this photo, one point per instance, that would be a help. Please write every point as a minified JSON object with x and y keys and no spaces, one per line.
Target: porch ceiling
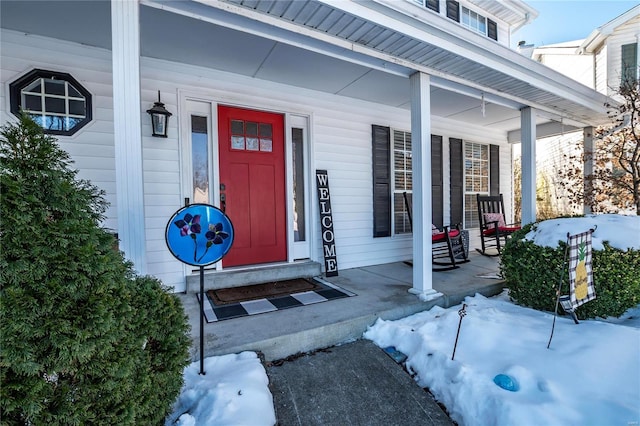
{"x":310,"y":50}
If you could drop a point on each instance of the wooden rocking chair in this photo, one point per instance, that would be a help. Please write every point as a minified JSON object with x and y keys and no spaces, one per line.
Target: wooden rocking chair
{"x":493,"y":230}
{"x":447,"y":246}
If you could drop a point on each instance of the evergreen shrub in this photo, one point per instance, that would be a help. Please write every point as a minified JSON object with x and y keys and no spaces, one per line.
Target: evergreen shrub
{"x":83,"y":340}
{"x":532,"y":274}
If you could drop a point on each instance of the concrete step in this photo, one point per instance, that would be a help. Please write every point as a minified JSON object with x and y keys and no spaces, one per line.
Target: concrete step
{"x":255,"y":274}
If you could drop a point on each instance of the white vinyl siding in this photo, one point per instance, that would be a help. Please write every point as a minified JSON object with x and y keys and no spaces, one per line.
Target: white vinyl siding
{"x":601,"y":71}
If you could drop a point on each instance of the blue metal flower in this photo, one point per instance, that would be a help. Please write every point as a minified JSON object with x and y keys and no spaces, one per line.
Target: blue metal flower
{"x":215,"y":234}
{"x":190,"y":225}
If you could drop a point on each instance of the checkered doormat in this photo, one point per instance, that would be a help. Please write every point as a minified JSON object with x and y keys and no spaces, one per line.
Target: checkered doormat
{"x":326,"y":291}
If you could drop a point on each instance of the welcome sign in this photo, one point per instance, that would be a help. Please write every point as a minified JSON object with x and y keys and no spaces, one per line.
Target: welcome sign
{"x":326,"y":224}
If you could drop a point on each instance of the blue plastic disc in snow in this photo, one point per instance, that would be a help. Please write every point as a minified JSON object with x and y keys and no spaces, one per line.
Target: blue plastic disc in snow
{"x":506,"y":382}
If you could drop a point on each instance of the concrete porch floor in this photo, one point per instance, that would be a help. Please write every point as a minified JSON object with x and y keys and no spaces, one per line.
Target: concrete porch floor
{"x":382,"y":292}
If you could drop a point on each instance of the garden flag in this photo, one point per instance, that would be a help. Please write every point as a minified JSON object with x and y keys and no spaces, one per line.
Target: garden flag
{"x":581,"y":285}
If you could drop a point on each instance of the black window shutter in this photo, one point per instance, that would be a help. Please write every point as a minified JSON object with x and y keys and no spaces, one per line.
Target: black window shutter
{"x":453,"y":10}
{"x":437,"y":208}
{"x":629,"y":64}
{"x":381,"y":143}
{"x":457,"y":182}
{"x":494,"y":170}
{"x":492,"y":30}
{"x":433,"y":5}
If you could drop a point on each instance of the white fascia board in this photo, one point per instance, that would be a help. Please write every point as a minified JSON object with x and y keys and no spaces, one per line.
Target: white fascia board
{"x":552,"y":128}
{"x":487,"y":52}
{"x":475,"y":93}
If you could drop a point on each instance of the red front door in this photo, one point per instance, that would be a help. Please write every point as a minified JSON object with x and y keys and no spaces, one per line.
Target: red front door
{"x":252,"y":184}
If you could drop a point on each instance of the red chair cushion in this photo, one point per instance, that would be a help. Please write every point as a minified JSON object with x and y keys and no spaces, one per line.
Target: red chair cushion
{"x":503,"y":230}
{"x":441,"y":236}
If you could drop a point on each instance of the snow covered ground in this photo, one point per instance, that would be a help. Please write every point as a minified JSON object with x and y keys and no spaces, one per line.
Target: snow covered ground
{"x":590,"y":375}
{"x":233,"y":392}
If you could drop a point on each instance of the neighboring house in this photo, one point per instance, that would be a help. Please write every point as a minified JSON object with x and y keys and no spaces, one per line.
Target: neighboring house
{"x":603,"y":61}
{"x":388,"y":96}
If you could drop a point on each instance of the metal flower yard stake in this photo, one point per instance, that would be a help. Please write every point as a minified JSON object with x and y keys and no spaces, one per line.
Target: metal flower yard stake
{"x":462,"y":312}
{"x":189,"y":222}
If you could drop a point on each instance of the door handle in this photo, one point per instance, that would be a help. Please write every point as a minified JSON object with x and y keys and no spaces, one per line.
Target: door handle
{"x":223,"y":202}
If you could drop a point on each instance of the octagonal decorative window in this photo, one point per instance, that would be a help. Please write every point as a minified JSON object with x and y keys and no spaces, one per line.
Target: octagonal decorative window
{"x":55,"y":100}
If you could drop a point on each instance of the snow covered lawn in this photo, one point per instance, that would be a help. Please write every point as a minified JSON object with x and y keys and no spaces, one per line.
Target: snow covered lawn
{"x":589,"y":376}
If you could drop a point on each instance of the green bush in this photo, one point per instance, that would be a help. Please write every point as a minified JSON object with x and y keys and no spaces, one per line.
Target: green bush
{"x":83,"y":339}
{"x":532,"y":274}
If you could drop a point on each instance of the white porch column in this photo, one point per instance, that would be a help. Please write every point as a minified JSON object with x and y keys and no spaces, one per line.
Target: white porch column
{"x":125,"y":39}
{"x":421,"y":161}
{"x":589,"y":148}
{"x":528,"y":140}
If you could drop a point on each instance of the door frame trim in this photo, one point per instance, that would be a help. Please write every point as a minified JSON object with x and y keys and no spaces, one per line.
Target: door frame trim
{"x":299,"y":251}
{"x":214,"y":100}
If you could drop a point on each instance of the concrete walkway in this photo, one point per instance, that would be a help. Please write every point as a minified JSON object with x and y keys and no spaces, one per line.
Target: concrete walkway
{"x":352,"y":384}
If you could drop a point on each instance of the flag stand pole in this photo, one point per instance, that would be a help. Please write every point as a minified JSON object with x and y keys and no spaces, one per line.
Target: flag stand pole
{"x":559,"y":291}
{"x":202,"y":372}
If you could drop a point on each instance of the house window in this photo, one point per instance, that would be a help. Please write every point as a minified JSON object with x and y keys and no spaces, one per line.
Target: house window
{"x":472,"y":20}
{"x":476,"y":179}
{"x":630,"y":67}
{"x":56,"y":101}
{"x":429,"y":4}
{"x":402,"y":181}
{"x":393,"y":181}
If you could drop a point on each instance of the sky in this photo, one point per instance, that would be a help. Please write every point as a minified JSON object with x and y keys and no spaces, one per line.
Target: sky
{"x":590,"y":375}
{"x":567,"y":20}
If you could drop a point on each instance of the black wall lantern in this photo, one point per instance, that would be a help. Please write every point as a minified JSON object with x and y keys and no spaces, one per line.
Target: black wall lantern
{"x":159,"y":118}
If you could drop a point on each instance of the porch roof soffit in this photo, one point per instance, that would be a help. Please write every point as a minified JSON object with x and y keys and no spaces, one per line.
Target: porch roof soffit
{"x":405,"y":41}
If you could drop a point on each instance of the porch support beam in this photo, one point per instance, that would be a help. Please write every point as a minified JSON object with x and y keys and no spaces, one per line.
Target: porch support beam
{"x":589,"y":166}
{"x":528,"y":138}
{"x":421,"y":161}
{"x":125,"y":40}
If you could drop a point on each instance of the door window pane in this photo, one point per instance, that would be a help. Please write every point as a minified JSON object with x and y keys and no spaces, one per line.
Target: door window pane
{"x":298,"y":185}
{"x":251,"y":136}
{"x":200,"y":159}
{"x":252,"y":144}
